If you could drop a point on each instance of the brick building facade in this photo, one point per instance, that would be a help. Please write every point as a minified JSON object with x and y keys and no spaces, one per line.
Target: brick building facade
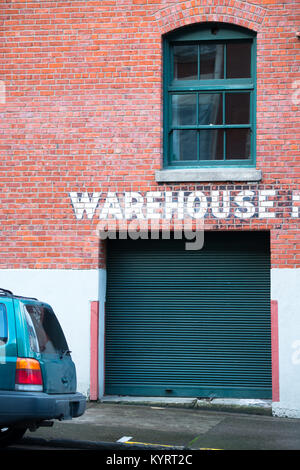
{"x":84,"y":92}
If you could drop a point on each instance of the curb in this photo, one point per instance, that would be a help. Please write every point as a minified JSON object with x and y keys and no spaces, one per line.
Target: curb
{"x":256,"y":407}
{"x":254,"y":410}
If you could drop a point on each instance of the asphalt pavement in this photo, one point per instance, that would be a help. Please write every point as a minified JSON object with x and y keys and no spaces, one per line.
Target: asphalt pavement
{"x":131,"y":427}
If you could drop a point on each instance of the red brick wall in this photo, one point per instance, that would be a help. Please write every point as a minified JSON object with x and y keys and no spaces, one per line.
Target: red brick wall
{"x":83,"y":112}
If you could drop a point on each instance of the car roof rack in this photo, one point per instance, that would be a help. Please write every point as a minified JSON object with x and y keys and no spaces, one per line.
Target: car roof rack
{"x":9,"y":292}
{"x":23,"y":297}
{"x":5,"y":291}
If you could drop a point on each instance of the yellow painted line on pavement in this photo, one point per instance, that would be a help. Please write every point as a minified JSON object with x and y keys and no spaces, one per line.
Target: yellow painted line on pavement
{"x":208,"y":448}
{"x":162,"y":445}
{"x":147,"y":444}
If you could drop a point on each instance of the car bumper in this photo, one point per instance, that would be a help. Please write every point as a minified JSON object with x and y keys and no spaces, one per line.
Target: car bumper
{"x":20,"y":407}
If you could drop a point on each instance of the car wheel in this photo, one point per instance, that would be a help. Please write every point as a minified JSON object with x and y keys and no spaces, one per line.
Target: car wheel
{"x":10,"y":435}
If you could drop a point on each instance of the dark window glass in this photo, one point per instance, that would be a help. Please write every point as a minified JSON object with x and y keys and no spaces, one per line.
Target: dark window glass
{"x":184,"y":145}
{"x":211,"y":61}
{"x":185,"y":62}
{"x":238,"y":60}
{"x":184,"y":109}
{"x":237,"y":144}
{"x":237,"y":107}
{"x":46,"y":335}
{"x":210,"y":108}
{"x":211,"y":144}
{"x":3,"y":325}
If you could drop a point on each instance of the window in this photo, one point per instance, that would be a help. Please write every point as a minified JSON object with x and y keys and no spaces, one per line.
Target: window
{"x":3,"y":325}
{"x":209,"y":97}
{"x":45,"y":333}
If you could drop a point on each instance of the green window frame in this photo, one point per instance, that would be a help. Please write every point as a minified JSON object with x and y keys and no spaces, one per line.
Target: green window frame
{"x":209,"y":110}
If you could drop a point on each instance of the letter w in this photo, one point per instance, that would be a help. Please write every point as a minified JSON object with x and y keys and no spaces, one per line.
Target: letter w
{"x":84,"y":202}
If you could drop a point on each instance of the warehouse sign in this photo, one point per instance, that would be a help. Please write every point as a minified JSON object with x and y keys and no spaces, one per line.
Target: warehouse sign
{"x":180,"y":205}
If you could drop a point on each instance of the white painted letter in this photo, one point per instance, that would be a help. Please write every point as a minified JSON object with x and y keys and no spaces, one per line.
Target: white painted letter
{"x":153,"y":205}
{"x":191,"y":210}
{"x":263,"y":204}
{"x":244,"y":204}
{"x":215,"y":204}
{"x":134,"y":208}
{"x":111,"y":207}
{"x":2,"y":92}
{"x":295,"y":210}
{"x":84,"y":202}
{"x":171,"y":205}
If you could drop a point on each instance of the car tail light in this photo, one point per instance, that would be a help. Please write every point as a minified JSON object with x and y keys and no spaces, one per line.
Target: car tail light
{"x":28,"y":375}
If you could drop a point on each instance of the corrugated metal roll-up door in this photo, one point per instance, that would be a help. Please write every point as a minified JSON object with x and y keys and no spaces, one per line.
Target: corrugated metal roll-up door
{"x":189,"y":323}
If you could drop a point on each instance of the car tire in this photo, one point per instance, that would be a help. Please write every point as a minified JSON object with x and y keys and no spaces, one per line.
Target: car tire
{"x":10,"y":435}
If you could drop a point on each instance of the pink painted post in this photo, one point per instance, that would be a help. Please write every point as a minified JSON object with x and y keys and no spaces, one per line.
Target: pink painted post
{"x":94,"y":350}
{"x":275,"y":350}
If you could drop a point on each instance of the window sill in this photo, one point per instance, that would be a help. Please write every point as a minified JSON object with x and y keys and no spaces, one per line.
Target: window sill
{"x":207,"y":175}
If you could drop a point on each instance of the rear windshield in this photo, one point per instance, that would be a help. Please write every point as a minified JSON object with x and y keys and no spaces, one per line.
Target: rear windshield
{"x":3,"y":325}
{"x":45,"y":333}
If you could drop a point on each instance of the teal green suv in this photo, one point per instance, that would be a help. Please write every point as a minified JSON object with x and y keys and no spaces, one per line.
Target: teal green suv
{"x":37,"y":375}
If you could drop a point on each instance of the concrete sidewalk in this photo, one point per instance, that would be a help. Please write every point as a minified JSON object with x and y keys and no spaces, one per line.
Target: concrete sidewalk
{"x":129,"y":426}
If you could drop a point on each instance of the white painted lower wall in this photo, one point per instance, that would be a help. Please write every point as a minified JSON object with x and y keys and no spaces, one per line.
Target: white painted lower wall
{"x":69,"y":292}
{"x":285,"y":288}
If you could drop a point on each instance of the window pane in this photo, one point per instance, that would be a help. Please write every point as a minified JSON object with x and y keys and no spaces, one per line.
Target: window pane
{"x":184,"y":110}
{"x":211,"y":61}
{"x":184,"y":145}
{"x":185,"y":62}
{"x":210,"y":108}
{"x":238,"y":144}
{"x":238,"y":63}
{"x":46,"y":335}
{"x":3,"y":325}
{"x":237,"y":106}
{"x":211,"y":144}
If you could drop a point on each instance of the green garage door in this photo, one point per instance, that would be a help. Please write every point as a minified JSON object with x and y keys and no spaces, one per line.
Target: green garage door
{"x":189,"y":323}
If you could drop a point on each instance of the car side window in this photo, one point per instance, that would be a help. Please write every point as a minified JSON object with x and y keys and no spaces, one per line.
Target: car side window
{"x":3,"y":325}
